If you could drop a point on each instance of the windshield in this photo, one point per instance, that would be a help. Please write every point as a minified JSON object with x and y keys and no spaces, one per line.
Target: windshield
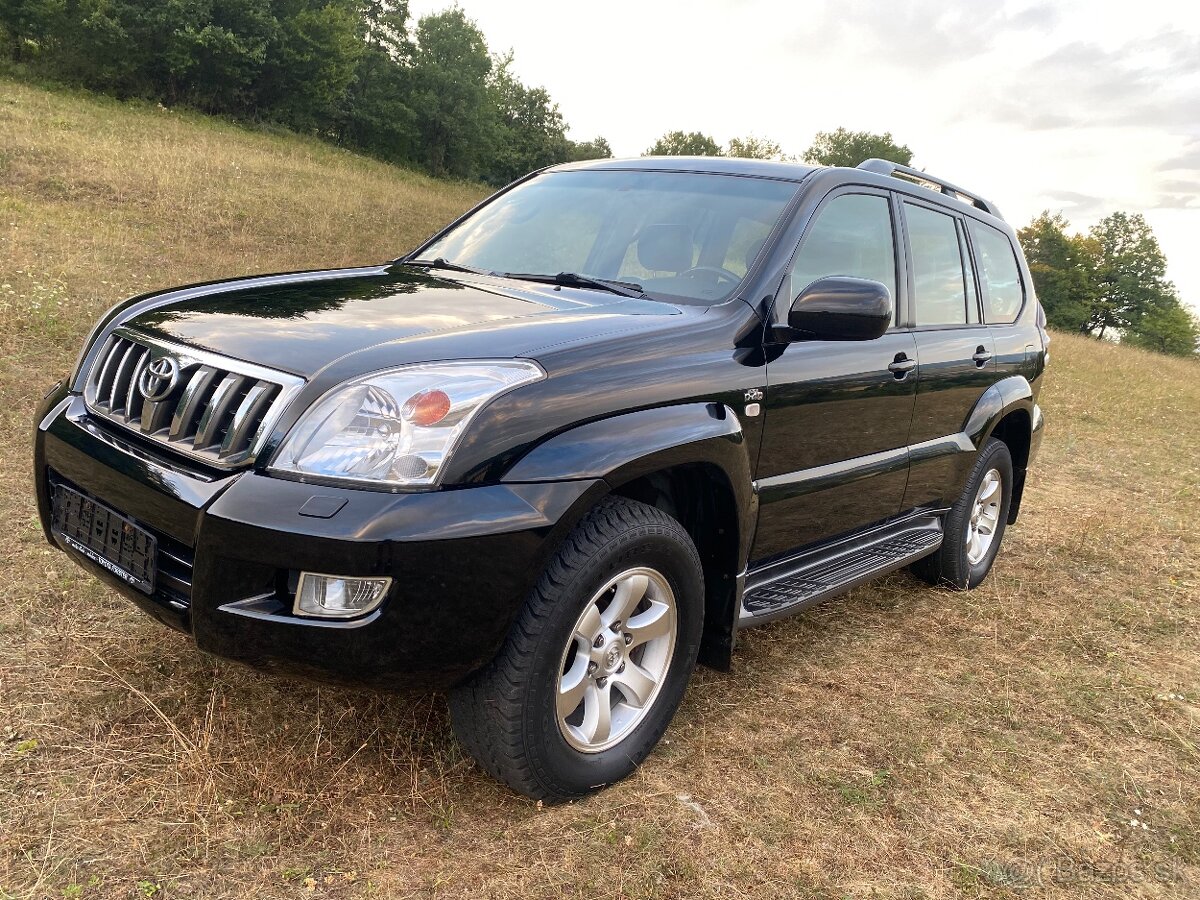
{"x":680,"y":235}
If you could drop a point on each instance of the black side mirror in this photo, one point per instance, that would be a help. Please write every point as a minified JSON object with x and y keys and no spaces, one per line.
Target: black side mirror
{"x":840,"y":308}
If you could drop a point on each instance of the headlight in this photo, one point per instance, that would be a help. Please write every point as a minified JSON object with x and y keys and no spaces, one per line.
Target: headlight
{"x":396,"y":428}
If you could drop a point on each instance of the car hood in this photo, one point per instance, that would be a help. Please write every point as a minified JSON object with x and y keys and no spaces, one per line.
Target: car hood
{"x":306,"y":322}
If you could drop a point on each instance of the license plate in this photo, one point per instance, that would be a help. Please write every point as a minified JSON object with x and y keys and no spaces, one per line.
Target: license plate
{"x":104,"y":536}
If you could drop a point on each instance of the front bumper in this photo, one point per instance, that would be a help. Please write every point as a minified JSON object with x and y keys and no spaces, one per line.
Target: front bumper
{"x":462,"y":560}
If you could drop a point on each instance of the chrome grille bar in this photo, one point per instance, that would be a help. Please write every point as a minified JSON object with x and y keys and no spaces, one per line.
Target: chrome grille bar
{"x":205,"y":406}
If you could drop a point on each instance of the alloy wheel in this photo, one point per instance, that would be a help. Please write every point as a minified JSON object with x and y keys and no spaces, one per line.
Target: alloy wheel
{"x":616,"y":660}
{"x":985,"y":516}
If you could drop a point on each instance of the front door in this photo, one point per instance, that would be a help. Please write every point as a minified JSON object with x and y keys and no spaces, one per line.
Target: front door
{"x":834,"y":451}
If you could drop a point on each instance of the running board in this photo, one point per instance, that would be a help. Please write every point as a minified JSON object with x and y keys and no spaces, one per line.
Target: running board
{"x":788,"y":586}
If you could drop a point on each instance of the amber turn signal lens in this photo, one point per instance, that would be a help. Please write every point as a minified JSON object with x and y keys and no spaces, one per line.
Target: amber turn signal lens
{"x":426,"y":408}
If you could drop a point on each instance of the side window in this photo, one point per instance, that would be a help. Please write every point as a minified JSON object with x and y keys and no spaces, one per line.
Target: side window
{"x":939,"y":282}
{"x":998,"y":265}
{"x":852,"y":236}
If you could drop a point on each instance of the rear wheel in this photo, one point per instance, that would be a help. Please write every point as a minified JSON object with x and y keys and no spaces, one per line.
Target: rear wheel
{"x":597,"y":662}
{"x":975,"y":524}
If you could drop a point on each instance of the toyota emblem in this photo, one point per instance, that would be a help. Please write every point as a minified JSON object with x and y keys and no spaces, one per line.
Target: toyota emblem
{"x":159,"y":378}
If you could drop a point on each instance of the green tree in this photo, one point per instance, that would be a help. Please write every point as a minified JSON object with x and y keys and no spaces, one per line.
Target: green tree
{"x":679,"y":143}
{"x":849,"y":148}
{"x":206,"y":52}
{"x":377,"y":115}
{"x":1167,"y":328}
{"x":311,"y":63}
{"x":530,"y":130}
{"x":1061,"y":265}
{"x":30,"y":24}
{"x":228,"y":54}
{"x":754,"y":148}
{"x":455,"y":117}
{"x":108,"y":44}
{"x":597,"y":148}
{"x":1128,"y":274}
{"x":385,"y":27}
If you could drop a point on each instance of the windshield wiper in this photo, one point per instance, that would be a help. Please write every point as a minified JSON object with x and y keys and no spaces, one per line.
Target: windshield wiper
{"x":442,"y":263}
{"x":574,"y":279}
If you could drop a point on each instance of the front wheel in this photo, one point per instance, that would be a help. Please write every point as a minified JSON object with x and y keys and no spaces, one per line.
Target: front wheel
{"x":597,"y":662}
{"x":975,"y":524}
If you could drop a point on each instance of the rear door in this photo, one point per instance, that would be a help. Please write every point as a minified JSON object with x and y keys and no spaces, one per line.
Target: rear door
{"x":955,"y":348}
{"x":834,"y":451}
{"x":1018,"y":347}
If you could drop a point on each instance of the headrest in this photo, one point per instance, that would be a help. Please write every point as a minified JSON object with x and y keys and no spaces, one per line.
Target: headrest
{"x":665,"y":247}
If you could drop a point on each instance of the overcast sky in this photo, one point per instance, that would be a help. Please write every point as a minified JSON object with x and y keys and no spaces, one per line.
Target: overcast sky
{"x":1084,"y":107}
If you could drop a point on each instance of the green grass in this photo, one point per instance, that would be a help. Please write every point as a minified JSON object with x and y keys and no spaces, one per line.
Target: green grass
{"x":901,"y":743}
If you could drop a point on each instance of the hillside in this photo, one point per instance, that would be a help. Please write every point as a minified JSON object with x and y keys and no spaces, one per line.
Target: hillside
{"x":901,"y":743}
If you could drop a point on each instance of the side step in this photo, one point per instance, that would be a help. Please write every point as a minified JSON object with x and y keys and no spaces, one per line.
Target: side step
{"x":791,"y":585}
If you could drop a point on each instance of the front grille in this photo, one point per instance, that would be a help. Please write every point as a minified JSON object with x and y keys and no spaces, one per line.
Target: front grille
{"x":206,"y":406}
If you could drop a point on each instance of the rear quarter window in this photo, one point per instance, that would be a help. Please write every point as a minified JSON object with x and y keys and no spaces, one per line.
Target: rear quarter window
{"x":998,"y":268}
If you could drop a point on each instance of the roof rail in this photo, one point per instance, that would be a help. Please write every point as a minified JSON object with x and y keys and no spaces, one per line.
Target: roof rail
{"x":885,"y":167}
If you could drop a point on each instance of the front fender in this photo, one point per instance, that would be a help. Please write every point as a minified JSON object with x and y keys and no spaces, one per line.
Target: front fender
{"x":622,"y":448}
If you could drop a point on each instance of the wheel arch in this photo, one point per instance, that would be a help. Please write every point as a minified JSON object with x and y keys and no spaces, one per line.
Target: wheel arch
{"x":689,"y":460}
{"x":1008,"y":412}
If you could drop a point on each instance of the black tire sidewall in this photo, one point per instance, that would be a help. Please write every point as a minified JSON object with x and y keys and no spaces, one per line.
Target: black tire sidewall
{"x":995,"y":455}
{"x":570,"y":771}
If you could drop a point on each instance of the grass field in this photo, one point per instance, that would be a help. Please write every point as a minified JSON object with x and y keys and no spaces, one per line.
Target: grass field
{"x":1036,"y":737}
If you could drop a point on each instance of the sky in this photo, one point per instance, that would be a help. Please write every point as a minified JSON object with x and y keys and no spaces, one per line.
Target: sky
{"x":1080,"y":107}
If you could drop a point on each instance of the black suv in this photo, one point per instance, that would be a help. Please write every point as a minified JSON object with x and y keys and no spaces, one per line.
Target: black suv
{"x":570,"y":445}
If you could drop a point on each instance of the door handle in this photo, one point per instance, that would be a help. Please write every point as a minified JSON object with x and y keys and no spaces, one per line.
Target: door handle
{"x":901,"y":366}
{"x":981,"y":357}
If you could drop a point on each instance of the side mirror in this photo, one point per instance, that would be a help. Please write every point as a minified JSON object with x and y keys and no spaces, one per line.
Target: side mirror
{"x":840,"y":308}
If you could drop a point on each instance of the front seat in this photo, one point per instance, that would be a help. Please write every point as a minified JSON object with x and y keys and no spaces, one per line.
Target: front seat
{"x":665,"y":247}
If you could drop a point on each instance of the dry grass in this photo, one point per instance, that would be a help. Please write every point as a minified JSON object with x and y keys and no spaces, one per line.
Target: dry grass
{"x":902,"y":743}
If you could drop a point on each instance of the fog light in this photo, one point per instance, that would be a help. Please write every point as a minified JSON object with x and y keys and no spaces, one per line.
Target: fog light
{"x":332,"y":597}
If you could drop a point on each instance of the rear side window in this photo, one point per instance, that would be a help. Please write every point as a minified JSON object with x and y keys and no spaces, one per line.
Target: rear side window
{"x":1001,"y":277}
{"x":939,"y":281}
{"x":852,"y":235}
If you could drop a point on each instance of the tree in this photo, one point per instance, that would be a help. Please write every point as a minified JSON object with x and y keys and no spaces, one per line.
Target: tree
{"x":1061,"y":265}
{"x":849,"y":148}
{"x":754,"y":148}
{"x":228,"y":55}
{"x":1167,"y":328}
{"x":385,"y":28}
{"x":455,"y":117}
{"x":30,"y":23}
{"x":1128,"y":274}
{"x":679,"y":143}
{"x":530,"y":129}
{"x":347,"y":70}
{"x":597,"y":148}
{"x":311,"y":63}
{"x":377,"y":116}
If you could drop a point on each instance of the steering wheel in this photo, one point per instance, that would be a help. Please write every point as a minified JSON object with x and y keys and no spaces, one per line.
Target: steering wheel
{"x":714,"y":270}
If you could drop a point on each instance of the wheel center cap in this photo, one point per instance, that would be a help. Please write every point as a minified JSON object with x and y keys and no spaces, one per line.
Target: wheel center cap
{"x":612,"y":656}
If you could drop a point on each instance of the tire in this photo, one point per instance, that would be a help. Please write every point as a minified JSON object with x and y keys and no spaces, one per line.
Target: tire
{"x":958,"y":563}
{"x":508,"y":715}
